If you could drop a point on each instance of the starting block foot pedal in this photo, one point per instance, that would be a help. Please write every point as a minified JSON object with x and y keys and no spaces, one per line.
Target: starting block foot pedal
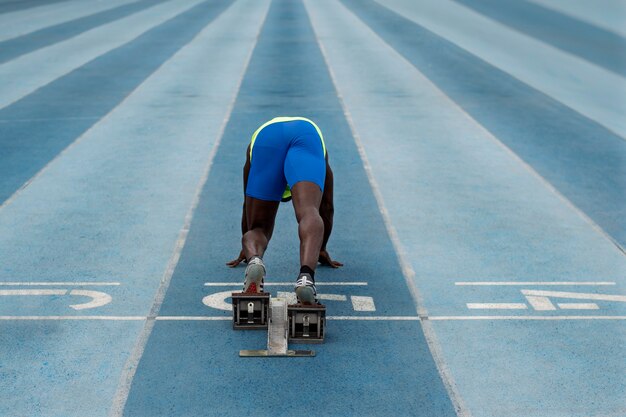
{"x":307,"y":323}
{"x":250,"y":310}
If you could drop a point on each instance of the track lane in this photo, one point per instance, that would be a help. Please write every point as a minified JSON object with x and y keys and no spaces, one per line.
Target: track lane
{"x":107,"y":211}
{"x":365,"y":367}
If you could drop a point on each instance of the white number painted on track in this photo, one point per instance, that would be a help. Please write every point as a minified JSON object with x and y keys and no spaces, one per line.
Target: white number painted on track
{"x":219,"y":301}
{"x":541,"y":300}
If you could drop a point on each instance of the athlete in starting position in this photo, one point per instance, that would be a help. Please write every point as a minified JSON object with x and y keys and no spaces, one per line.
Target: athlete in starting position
{"x":287,"y":160}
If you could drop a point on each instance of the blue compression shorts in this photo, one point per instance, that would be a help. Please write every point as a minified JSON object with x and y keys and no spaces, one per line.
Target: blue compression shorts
{"x":285,"y":151}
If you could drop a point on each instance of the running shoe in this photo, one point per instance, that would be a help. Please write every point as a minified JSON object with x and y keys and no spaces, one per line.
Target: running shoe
{"x":255,"y":276}
{"x":305,"y":289}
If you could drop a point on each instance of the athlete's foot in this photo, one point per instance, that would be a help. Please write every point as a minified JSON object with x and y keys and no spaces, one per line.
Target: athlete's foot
{"x":305,"y":289}
{"x":255,"y":276}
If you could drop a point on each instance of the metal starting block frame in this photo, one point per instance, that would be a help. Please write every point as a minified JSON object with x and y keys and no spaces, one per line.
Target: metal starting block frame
{"x":250,"y":310}
{"x":307,"y":323}
{"x":277,"y":334}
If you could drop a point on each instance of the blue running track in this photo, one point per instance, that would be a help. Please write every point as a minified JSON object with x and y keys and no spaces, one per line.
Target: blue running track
{"x":479,"y":152}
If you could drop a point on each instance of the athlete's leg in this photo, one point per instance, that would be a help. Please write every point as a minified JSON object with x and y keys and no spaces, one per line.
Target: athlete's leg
{"x":307,"y":197}
{"x":305,"y":170}
{"x":260,"y":215}
{"x":264,"y":188}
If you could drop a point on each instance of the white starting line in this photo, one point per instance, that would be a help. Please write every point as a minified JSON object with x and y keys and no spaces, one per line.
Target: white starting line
{"x":540,"y":300}
{"x":98,"y":298}
{"x":527,"y":283}
{"x":333,"y":318}
{"x":56,"y":284}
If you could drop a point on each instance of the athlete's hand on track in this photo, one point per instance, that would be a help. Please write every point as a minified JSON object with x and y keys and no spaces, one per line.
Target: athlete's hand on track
{"x":324,"y":259}
{"x":237,"y":261}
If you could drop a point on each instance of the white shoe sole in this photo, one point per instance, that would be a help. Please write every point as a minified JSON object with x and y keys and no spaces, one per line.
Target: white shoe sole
{"x":254,"y":275}
{"x":306,"y":295}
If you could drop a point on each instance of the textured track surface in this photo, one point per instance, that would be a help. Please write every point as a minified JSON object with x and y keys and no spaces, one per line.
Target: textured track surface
{"x":479,"y":151}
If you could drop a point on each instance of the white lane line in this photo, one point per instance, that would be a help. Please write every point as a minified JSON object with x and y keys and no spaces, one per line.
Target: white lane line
{"x":218,"y":300}
{"x":128,"y":372}
{"x":289,"y":296}
{"x":524,"y":283}
{"x":375,"y":318}
{"x":130,"y":28}
{"x":290,"y":284}
{"x":56,"y":284}
{"x":576,"y":295}
{"x":362,"y":303}
{"x":197,"y":318}
{"x":332,"y":297}
{"x":497,"y":306}
{"x":193,"y":318}
{"x":98,"y":299}
{"x":544,"y":67}
{"x":407,"y":269}
{"x":608,"y":15}
{"x":453,"y":318}
{"x":578,"y":306}
{"x":111,"y":318}
{"x":489,"y":135}
{"x":33,"y":292}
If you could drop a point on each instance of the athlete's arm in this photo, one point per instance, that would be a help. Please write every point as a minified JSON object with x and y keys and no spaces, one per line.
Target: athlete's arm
{"x":244,"y":221}
{"x":246,"y":172}
{"x":327,"y":211}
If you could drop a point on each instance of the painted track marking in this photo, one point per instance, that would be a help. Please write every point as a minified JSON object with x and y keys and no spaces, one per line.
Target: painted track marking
{"x":290,"y":284}
{"x":362,"y":303}
{"x":56,"y":284}
{"x":505,"y":306}
{"x":576,"y":295}
{"x":356,"y":318}
{"x":524,"y":283}
{"x":33,"y":292}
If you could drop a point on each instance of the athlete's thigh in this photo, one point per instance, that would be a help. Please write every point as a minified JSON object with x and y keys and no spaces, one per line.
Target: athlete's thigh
{"x":305,"y":159}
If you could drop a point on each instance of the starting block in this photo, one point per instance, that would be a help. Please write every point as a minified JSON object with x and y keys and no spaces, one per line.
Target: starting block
{"x":277,"y":334}
{"x":307,"y":323}
{"x":250,"y":310}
